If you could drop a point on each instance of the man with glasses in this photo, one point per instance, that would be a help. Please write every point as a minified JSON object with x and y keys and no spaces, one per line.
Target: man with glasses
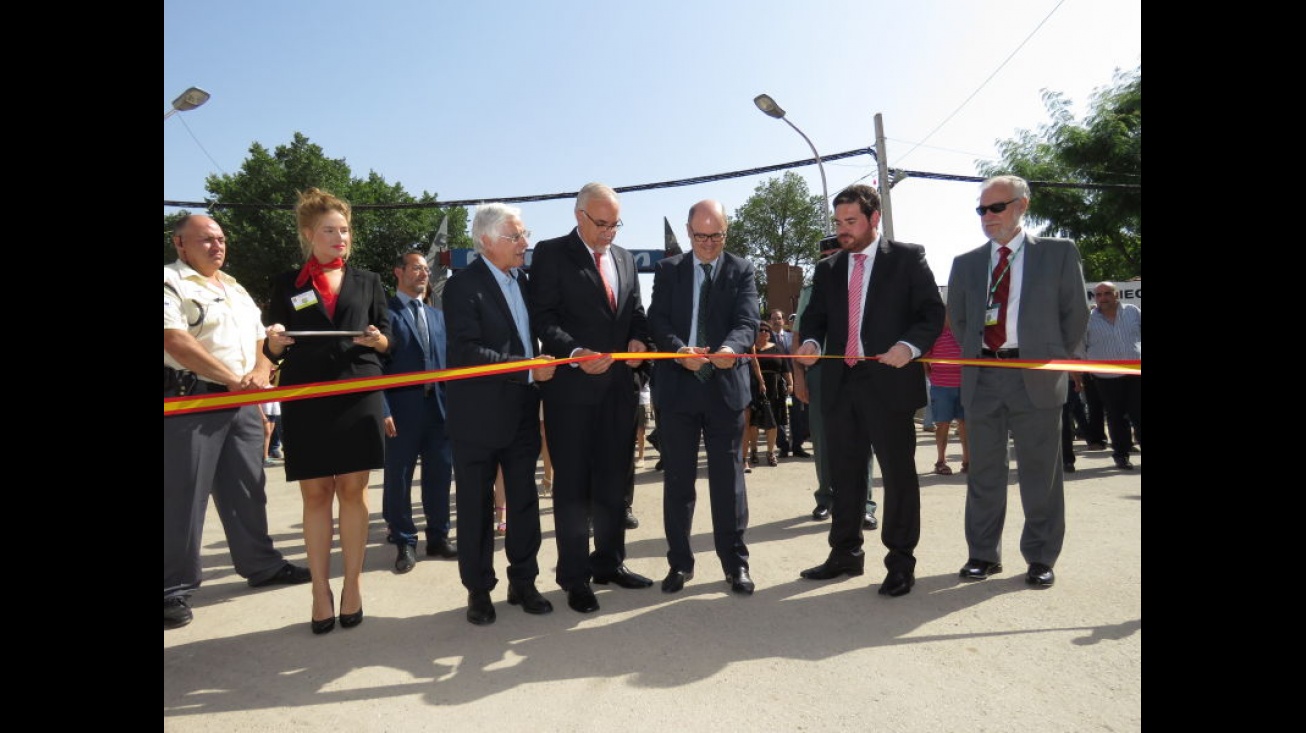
{"x":494,"y":419}
{"x":1115,"y":331}
{"x":415,"y":419}
{"x":704,"y":303}
{"x":212,"y":342}
{"x":1017,"y":296}
{"x":586,"y":303}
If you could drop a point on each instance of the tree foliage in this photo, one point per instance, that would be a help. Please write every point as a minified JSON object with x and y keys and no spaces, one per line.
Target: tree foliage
{"x":1106,"y":148}
{"x":780,"y":223}
{"x":262,"y":234}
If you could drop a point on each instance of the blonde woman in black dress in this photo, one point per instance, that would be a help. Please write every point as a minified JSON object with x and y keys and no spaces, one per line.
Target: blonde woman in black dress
{"x":330,"y":322}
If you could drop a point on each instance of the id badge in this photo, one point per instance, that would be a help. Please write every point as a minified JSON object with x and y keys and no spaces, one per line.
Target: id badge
{"x":991,"y":315}
{"x":304,"y":300}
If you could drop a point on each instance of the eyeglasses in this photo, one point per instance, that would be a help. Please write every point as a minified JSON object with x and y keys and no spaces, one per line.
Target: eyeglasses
{"x":418,"y":268}
{"x":601,"y":225}
{"x":1099,"y":295}
{"x":997,"y":208}
{"x":715,"y":237}
{"x":525,"y":234}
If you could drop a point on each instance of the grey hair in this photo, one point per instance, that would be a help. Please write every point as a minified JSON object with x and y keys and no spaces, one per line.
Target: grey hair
{"x":489,"y":217}
{"x":1019,"y":186}
{"x":594,"y":191}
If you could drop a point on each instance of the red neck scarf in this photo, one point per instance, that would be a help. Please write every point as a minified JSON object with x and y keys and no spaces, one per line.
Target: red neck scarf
{"x":317,"y":272}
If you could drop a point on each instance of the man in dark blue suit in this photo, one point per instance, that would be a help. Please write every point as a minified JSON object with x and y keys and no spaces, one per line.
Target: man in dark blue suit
{"x":415,"y":420}
{"x":704,"y":303}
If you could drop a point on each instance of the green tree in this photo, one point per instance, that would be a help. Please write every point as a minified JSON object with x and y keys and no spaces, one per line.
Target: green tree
{"x":1106,"y":148}
{"x":780,"y":223}
{"x":256,"y":210}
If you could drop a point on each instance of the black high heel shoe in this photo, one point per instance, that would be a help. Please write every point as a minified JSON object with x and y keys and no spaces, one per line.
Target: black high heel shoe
{"x":350,"y":620}
{"x":328,"y":623}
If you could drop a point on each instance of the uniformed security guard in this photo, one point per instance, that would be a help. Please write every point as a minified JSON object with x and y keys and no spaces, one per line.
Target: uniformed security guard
{"x":212,"y":342}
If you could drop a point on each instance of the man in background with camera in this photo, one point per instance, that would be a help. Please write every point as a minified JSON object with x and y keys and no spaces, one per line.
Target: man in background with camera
{"x":212,"y":342}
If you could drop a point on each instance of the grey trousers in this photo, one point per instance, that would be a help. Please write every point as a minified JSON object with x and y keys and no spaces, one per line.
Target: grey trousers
{"x":217,"y":453}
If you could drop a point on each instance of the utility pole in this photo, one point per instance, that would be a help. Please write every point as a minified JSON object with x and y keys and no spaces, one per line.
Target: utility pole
{"x":882,"y":155}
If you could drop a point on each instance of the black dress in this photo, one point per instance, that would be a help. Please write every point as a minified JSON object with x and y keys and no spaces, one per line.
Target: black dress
{"x":771,"y":367}
{"x":326,"y":436}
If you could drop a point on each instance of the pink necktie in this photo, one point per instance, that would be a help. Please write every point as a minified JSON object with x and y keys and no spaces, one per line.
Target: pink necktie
{"x":612,"y":297}
{"x":854,"y":347}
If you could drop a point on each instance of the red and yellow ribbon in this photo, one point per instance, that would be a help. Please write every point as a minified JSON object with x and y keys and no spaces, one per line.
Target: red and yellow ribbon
{"x":228,"y":400}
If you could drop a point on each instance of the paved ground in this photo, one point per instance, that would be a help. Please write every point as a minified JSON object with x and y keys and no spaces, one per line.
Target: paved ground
{"x":799,"y":655}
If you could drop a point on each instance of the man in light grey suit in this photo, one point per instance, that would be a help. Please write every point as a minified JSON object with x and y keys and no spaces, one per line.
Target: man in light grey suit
{"x":1017,"y":296}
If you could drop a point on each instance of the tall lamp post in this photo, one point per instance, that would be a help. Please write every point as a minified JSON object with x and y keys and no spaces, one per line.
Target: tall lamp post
{"x":189,"y":99}
{"x":768,"y":105}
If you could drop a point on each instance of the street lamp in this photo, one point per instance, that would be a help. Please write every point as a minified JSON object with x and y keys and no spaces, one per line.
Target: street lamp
{"x":189,"y":99}
{"x":768,"y":105}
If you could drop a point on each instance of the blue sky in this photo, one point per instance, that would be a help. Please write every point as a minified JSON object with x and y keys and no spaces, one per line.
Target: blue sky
{"x":513,"y":98}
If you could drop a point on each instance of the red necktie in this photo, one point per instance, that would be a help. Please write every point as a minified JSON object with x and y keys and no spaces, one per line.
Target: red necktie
{"x":612,"y":298}
{"x":853,"y":349}
{"x":996,"y":335}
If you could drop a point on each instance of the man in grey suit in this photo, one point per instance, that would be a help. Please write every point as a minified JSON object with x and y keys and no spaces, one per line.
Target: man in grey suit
{"x":704,"y":304}
{"x":1017,"y":296}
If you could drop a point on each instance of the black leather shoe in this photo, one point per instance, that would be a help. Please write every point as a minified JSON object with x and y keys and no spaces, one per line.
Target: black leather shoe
{"x":1069,"y":468}
{"x":1095,"y":445}
{"x":528,"y":597}
{"x":176,"y":613}
{"x":480,"y":609}
{"x":287,"y":575}
{"x":897,"y":583}
{"x":442,"y":547}
{"x":832,"y":568}
{"x":581,"y":599}
{"x":624,"y":578}
{"x":350,"y":620}
{"x":1124,"y":464}
{"x":675,"y":581}
{"x":821,"y":513}
{"x":1040,"y":575}
{"x":869,"y":521}
{"x":741,"y":582}
{"x":658,"y":466}
{"x":979,"y":569}
{"x":631,"y":520}
{"x":800,"y":453}
{"x":323,"y":626}
{"x":406,"y":558}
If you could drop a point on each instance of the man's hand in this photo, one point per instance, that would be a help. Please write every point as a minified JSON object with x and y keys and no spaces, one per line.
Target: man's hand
{"x":806,"y":354}
{"x":723,"y":362}
{"x":897,"y":356}
{"x":594,"y":366}
{"x":545,"y":373}
{"x":635,"y":347}
{"x":692,"y":363}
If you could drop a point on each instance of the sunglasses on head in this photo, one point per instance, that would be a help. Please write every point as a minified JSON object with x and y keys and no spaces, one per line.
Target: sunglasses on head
{"x":997,"y":208}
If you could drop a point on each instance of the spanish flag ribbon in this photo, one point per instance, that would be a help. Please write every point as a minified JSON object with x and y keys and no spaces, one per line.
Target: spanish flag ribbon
{"x":229,"y":400}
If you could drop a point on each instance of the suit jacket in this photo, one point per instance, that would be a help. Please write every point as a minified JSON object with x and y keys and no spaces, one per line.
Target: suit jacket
{"x":902,"y":304}
{"x":324,"y":358}
{"x":1053,"y":312}
{"x":407,"y":355}
{"x":486,"y":410}
{"x":569,"y":310}
{"x":731,"y":321}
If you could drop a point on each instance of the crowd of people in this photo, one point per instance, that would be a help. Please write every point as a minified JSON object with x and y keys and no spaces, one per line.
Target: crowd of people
{"x":848,"y":375}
